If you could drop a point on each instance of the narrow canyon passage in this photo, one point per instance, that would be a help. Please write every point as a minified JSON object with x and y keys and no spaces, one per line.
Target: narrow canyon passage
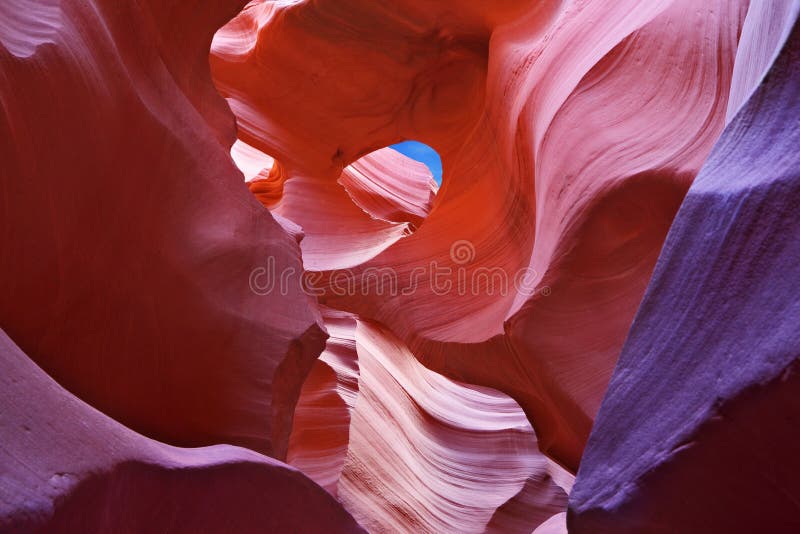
{"x":524,"y":266}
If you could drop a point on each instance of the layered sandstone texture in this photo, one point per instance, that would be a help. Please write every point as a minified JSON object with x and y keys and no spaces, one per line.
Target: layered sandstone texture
{"x":698,"y":430}
{"x":227,"y":306}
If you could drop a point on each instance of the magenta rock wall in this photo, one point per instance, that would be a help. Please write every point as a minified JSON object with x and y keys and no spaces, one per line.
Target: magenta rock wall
{"x":226,"y":305}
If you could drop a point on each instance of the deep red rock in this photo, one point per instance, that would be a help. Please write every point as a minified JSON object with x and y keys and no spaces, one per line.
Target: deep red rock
{"x":565,"y":159}
{"x":128,"y":237}
{"x":473,"y":328}
{"x":68,"y":468}
{"x":699,"y":427}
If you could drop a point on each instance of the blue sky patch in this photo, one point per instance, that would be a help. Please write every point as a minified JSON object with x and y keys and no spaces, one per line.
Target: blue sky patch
{"x":424,"y":154}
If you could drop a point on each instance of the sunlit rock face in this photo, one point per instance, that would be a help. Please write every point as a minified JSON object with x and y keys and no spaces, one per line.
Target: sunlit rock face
{"x":697,"y":432}
{"x":227,"y":305}
{"x":578,"y":129}
{"x":321,"y":429}
{"x":128,"y":235}
{"x":69,"y":468}
{"x":423,"y":449}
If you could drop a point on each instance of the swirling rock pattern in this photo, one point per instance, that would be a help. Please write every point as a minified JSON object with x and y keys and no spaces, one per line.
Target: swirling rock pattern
{"x":68,"y":468}
{"x":161,"y":299}
{"x":321,"y":428}
{"x":127,"y":233}
{"x":423,"y":450}
{"x":406,"y":448}
{"x":697,"y":431}
{"x":584,"y":213}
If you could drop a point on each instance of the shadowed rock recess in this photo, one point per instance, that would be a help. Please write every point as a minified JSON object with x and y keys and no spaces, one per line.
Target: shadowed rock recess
{"x":227,"y":305}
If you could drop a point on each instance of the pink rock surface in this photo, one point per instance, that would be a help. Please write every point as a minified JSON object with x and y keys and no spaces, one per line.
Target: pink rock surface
{"x":407,"y":449}
{"x":127,"y":234}
{"x":338,"y":234}
{"x":427,"y":454}
{"x":766,"y":27}
{"x":321,"y":428}
{"x":602,"y":227}
{"x":376,"y":201}
{"x":555,"y":525}
{"x":471,"y":329}
{"x":391,"y":187}
{"x":698,"y":430}
{"x":68,"y":468}
{"x":583,"y":210}
{"x":531,"y":507}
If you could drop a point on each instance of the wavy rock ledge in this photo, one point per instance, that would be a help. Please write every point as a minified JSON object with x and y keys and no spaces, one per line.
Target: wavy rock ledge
{"x":212,"y":263}
{"x":128,"y":236}
{"x":697,"y":432}
{"x":584,"y":213}
{"x":69,"y":468}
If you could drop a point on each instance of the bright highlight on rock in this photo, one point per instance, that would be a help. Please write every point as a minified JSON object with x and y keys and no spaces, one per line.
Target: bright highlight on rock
{"x":235,"y":295}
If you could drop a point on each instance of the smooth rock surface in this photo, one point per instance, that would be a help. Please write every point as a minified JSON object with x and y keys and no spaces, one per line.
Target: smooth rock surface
{"x":568,"y":138}
{"x":65,"y":467}
{"x":321,"y":427}
{"x":472,"y":329}
{"x":427,"y":454}
{"x":699,"y":427}
{"x":128,"y":238}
